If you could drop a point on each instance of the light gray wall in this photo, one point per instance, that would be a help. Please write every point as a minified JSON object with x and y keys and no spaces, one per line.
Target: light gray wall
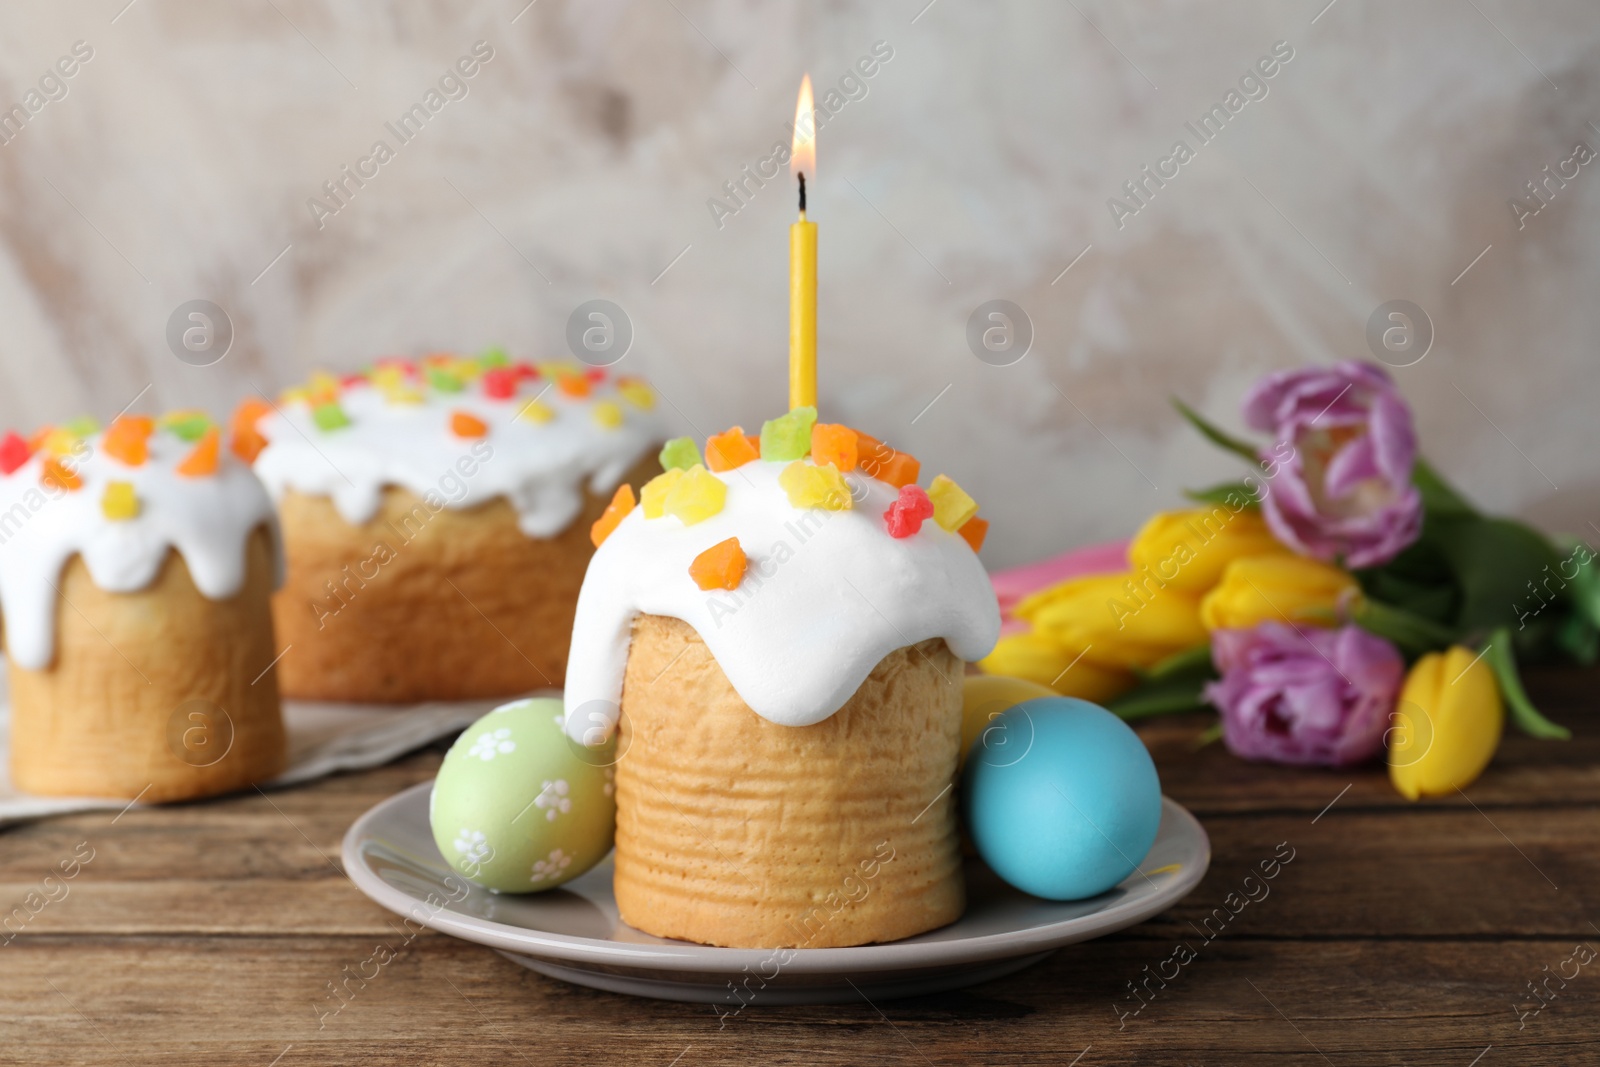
{"x":978,"y":166}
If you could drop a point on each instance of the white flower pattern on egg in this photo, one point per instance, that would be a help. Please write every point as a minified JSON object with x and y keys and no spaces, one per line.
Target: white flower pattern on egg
{"x":553,"y":799}
{"x":491,"y":742}
{"x":474,"y":848}
{"x":551,"y":866}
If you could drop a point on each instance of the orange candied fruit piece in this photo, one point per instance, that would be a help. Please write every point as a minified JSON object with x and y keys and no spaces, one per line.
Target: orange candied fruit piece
{"x":973,"y":531}
{"x":56,"y":475}
{"x":832,"y":443}
{"x":463,"y":424}
{"x":244,"y":439}
{"x":622,"y":503}
{"x":202,"y":459}
{"x":721,"y":566}
{"x":574,"y":385}
{"x":727,"y":451}
{"x":880,"y":461}
{"x":127,"y":440}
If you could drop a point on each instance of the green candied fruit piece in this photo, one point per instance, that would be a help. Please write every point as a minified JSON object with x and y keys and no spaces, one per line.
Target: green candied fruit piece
{"x":82,"y":426}
{"x":788,"y":437}
{"x":189,"y":427}
{"x":680,"y":453}
{"x":493,"y":356}
{"x":443,"y":380}
{"x":329,"y":416}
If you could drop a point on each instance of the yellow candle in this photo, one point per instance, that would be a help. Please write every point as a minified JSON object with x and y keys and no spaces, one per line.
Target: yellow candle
{"x":803,"y":261}
{"x":802,"y":314}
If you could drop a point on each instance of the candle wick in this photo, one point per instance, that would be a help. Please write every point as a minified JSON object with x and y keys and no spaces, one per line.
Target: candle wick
{"x":802,"y":176}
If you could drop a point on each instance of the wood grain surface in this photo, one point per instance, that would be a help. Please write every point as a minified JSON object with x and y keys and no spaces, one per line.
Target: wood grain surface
{"x":1399,"y":934}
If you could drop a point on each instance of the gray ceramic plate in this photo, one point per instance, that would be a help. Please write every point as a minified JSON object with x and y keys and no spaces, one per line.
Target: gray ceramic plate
{"x":573,"y":933}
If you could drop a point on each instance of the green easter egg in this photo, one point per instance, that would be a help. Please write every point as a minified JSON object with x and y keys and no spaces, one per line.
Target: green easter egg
{"x":517,"y":807}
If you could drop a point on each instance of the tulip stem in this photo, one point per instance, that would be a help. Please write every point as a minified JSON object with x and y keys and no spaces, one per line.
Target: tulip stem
{"x":1193,"y":659}
{"x":1497,"y":653}
{"x":1408,"y":630}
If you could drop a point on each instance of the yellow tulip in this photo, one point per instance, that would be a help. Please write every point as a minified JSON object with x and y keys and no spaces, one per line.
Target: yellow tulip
{"x":1121,"y":621}
{"x":983,"y":696}
{"x":1447,"y":724}
{"x":1035,"y":658}
{"x":1189,"y":549}
{"x":1287,"y":589}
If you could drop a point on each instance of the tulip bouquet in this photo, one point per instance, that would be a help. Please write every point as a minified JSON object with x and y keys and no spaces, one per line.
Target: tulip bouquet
{"x":1338,"y":601}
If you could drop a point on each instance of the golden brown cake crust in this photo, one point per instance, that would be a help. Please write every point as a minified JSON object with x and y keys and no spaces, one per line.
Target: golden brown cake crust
{"x":426,"y":605}
{"x":736,"y":831}
{"x":111,"y":716}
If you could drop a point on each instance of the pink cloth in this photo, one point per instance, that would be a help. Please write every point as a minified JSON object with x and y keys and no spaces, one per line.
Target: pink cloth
{"x":1011,"y":586}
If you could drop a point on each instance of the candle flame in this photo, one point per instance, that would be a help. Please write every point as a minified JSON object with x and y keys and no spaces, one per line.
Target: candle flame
{"x":803,"y":159}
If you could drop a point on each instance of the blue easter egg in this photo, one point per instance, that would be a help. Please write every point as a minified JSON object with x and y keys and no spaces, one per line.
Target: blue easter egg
{"x":1061,"y":798}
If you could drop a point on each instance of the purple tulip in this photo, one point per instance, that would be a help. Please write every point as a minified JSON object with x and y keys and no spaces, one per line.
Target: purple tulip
{"x":1345,"y":492}
{"x":1304,"y":695}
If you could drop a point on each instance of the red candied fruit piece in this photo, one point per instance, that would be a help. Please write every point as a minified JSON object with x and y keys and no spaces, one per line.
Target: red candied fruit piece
{"x":350,"y":381}
{"x":14,"y":452}
{"x":595,"y":374}
{"x":907,"y":514}
{"x":526,"y":370}
{"x":500,"y":383}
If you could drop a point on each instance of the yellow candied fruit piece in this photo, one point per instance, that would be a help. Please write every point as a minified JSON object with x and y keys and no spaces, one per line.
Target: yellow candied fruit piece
{"x":119,"y":502}
{"x":402,"y":394}
{"x":608,"y":414}
{"x":653,"y":497}
{"x":811,"y":486}
{"x":59,"y":442}
{"x":536,"y":411}
{"x":696,"y":496}
{"x":952,"y":507}
{"x":638,"y":394}
{"x":293,"y":395}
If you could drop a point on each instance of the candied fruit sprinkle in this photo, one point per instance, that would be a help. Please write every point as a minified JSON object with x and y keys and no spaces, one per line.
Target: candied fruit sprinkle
{"x":788,"y":437}
{"x":952,"y":507}
{"x":621,"y":504}
{"x":573,"y":385}
{"x":730,"y":450}
{"x":500,"y":383}
{"x":607,"y":414}
{"x":202,"y":459}
{"x":810,"y":486}
{"x":680,"y":453}
{"x":653,"y":496}
{"x":721,"y":566}
{"x":908,"y":512}
{"x":466,"y":424}
{"x":119,"y":502}
{"x":329,"y":417}
{"x":973,"y":531}
{"x":835,"y":444}
{"x":637,"y":393}
{"x":128,"y":439}
{"x":56,"y":475}
{"x":14,"y":452}
{"x":536,"y":411}
{"x":696,"y":496}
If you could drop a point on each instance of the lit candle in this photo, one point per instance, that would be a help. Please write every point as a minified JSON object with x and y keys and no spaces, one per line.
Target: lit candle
{"x":803,"y":262}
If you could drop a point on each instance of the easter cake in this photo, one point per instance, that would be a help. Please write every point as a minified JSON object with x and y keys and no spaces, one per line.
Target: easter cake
{"x":436,"y":517}
{"x":776,"y":635}
{"x":136,"y":569}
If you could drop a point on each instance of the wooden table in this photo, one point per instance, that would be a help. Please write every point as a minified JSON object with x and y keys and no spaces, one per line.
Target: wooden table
{"x":1398,"y":933}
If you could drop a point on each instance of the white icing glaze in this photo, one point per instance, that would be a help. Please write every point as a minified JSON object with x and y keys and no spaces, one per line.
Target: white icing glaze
{"x":827,"y":595}
{"x":540,"y":468}
{"x":206,"y":519}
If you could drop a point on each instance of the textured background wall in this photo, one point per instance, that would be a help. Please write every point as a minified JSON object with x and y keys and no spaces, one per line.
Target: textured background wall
{"x":579,"y":165}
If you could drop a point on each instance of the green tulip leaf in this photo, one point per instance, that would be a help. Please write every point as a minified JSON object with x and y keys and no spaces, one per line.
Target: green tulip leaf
{"x":1413,"y":633}
{"x":1225,"y":493}
{"x":1438,"y":496}
{"x":1497,"y":655}
{"x":1493,"y":561}
{"x":1215,"y":434}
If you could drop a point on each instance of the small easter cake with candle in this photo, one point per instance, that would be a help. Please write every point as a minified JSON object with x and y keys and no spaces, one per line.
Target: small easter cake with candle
{"x":776,"y":635}
{"x":136,"y":570}
{"x":436,"y":517}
